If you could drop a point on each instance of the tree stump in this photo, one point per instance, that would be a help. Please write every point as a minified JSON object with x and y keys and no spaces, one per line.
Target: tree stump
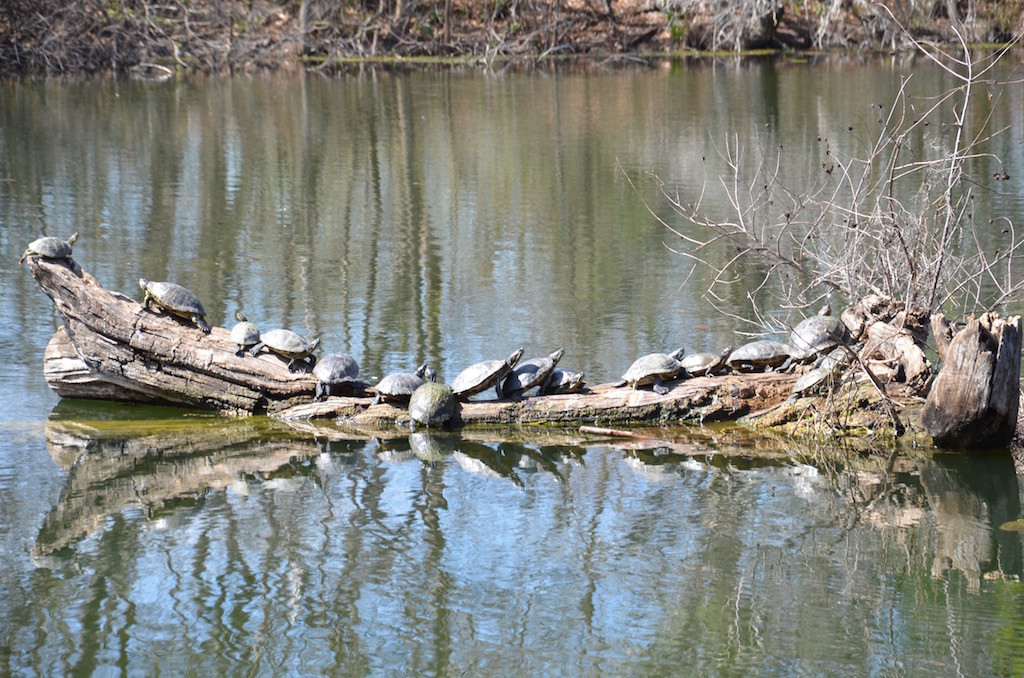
{"x":974,"y":400}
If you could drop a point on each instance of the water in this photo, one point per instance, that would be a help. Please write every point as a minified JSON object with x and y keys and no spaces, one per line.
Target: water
{"x":451,"y":217}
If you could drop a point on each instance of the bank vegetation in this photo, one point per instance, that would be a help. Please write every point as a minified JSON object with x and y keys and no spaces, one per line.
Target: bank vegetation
{"x":157,"y":38}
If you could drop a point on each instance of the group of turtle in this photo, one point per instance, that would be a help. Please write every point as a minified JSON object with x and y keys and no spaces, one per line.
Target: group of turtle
{"x":822,"y":338}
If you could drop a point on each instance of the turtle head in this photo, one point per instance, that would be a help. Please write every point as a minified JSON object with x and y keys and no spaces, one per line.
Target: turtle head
{"x":825,"y":310}
{"x":313,"y":345}
{"x":72,"y":239}
{"x":556,"y":356}
{"x":240,"y":318}
{"x":428,"y":373}
{"x":422,"y":370}
{"x":677,"y":354}
{"x":144,"y":284}
{"x":726,"y":351}
{"x":514,"y":358}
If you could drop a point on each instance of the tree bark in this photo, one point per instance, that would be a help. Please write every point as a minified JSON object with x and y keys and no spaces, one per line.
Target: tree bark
{"x":974,"y":400}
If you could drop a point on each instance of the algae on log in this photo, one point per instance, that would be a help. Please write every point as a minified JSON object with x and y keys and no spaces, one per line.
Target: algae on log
{"x":129,"y":353}
{"x":974,"y":400}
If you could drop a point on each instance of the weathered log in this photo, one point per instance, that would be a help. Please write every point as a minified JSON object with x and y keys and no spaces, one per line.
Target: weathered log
{"x":719,"y":398}
{"x":974,"y":400}
{"x":129,"y":353}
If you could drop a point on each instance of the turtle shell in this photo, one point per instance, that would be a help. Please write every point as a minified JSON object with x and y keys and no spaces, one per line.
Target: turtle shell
{"x":815,"y":335}
{"x":401,"y":384}
{"x":432,"y":404}
{"x":758,"y":355}
{"x":562,"y":381}
{"x":50,"y":247}
{"x":653,"y":367}
{"x":245,"y":333}
{"x":530,"y":373}
{"x":480,"y":376}
{"x":336,"y":368}
{"x":288,"y":344}
{"x":701,"y":364}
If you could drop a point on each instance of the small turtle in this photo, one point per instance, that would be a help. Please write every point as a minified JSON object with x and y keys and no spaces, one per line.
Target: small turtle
{"x":562,"y":381}
{"x":245,"y":334}
{"x":334,"y":371}
{"x":529,"y":373}
{"x":654,"y":368}
{"x":288,"y":344}
{"x":49,"y":248}
{"x":826,"y":369}
{"x":478,"y":377}
{"x":705,"y":364}
{"x":176,"y":300}
{"x":756,"y":356}
{"x":816,"y":335}
{"x":399,"y":386}
{"x":432,"y":404}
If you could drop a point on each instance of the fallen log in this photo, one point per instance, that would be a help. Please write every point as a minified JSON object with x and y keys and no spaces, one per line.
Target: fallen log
{"x":974,"y":400}
{"x":112,"y":348}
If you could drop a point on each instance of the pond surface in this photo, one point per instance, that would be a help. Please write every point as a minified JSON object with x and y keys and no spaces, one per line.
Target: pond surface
{"x":453,"y":217}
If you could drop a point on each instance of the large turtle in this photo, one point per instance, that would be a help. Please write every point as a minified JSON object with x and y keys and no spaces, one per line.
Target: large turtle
{"x":529,"y":373}
{"x":245,"y":334}
{"x":654,"y":368}
{"x":49,"y":248}
{"x":763,"y":354}
{"x":816,"y":335}
{"x":290,"y":345}
{"x":478,"y":377}
{"x":432,"y":404}
{"x":176,"y":300}
{"x":335,"y":371}
{"x":705,"y":364}
{"x":399,"y":386}
{"x":562,"y":381}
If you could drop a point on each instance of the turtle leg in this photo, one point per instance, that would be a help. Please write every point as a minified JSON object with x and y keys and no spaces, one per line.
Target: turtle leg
{"x":291,"y":365}
{"x":659,"y":387}
{"x":201,"y":323}
{"x":256,"y":349}
{"x":241,"y":351}
{"x":318,"y":394}
{"x":312,"y":361}
{"x":376,"y":400}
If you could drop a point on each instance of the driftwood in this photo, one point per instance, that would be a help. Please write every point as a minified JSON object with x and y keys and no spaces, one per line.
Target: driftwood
{"x":113,"y":348}
{"x":974,"y":400}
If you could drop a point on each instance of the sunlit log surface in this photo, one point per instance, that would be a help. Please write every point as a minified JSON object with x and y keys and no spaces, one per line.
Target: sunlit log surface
{"x":112,"y":348}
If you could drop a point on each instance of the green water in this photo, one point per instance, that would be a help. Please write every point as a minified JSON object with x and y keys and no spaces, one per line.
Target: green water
{"x":451,"y":217}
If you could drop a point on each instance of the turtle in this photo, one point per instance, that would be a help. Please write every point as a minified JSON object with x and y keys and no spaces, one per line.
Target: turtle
{"x":826,"y":368}
{"x":705,"y":364}
{"x":432,"y":404}
{"x":245,"y":334}
{"x":335,"y":370}
{"x":480,"y":376}
{"x":763,"y":354}
{"x":654,"y":368}
{"x":49,"y":247}
{"x":529,"y":373}
{"x":562,"y":381}
{"x":399,"y":386}
{"x":816,"y":335}
{"x":176,"y":300}
{"x":288,"y":344}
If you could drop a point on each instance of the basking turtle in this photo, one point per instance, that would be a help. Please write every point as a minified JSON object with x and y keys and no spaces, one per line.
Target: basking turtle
{"x":816,"y":335}
{"x":288,"y":344}
{"x":757,"y":356}
{"x":705,"y":364}
{"x":481,"y":376}
{"x":176,"y":300}
{"x":334,"y":371}
{"x":529,"y":373}
{"x":826,"y":369}
{"x":399,"y":386}
{"x":562,"y":381}
{"x":49,"y":248}
{"x":245,"y":334}
{"x":654,"y":368}
{"x":432,"y":404}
